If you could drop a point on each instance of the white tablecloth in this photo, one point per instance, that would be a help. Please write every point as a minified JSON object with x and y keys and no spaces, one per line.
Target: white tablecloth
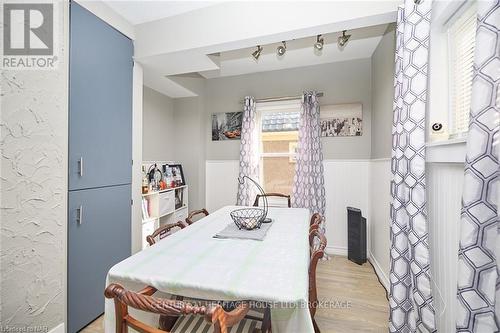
{"x":192,"y":263}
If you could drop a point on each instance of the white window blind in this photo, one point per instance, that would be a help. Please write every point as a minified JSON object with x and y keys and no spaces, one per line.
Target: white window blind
{"x":461,"y":44}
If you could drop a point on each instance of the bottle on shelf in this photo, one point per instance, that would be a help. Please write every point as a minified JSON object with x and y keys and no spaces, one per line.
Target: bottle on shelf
{"x":145,"y":182}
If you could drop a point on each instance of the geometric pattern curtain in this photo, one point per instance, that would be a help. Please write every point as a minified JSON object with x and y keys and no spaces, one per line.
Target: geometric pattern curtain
{"x":249,"y":153}
{"x":308,"y":183}
{"x":410,"y":301}
{"x":478,"y":290}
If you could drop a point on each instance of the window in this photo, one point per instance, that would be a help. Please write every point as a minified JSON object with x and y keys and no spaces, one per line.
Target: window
{"x":279,"y":135}
{"x":461,"y":44}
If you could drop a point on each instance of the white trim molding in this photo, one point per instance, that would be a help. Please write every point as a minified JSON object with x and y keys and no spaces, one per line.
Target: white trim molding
{"x":379,"y":271}
{"x":336,"y":251}
{"x":58,"y":329}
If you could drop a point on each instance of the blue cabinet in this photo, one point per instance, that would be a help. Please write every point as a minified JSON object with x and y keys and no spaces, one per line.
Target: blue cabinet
{"x":100,"y":161}
{"x":100,"y":103}
{"x":98,"y":238}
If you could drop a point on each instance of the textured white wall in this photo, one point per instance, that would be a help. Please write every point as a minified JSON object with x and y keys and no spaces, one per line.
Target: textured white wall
{"x":34,"y":136}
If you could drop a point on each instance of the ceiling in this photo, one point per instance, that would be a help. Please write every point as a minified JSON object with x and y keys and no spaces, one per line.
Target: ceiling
{"x":176,"y":41}
{"x":299,"y":53}
{"x":138,"y":12}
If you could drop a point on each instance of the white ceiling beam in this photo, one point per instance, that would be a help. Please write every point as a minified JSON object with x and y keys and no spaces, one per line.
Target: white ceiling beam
{"x":234,"y":25}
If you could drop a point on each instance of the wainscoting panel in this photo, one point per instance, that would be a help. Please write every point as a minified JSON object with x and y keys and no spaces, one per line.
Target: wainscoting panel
{"x":346,"y":184}
{"x":444,"y":190}
{"x":221,"y":183}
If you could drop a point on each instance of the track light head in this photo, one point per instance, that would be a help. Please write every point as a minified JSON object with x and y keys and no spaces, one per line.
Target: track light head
{"x":281,"y":50}
{"x":319,"y":43}
{"x":256,"y":53}
{"x":418,"y":2}
{"x":343,"y":39}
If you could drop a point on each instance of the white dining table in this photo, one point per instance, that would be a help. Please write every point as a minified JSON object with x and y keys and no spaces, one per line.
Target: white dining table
{"x":192,"y":263}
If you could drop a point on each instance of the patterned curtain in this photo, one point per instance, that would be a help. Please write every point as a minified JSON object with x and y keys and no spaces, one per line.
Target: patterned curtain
{"x":411,"y":303}
{"x":308,"y":183}
{"x":479,"y":253}
{"x":249,"y":153}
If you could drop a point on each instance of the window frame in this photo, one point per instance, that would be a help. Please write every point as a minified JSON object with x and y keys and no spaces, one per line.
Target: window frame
{"x":468,"y":8}
{"x":273,"y":107}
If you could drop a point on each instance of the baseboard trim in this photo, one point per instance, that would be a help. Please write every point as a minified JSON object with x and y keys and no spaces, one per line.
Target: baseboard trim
{"x":58,"y":329}
{"x":378,"y":270}
{"x":336,"y":251}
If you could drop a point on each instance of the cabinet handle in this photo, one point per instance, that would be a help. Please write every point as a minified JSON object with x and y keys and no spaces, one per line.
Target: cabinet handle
{"x":79,"y":215}
{"x":80,"y":166}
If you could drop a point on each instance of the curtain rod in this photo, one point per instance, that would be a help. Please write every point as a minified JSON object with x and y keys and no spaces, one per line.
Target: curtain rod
{"x":284,"y":98}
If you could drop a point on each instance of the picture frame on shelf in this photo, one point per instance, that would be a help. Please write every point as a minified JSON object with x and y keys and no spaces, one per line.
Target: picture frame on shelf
{"x":176,"y":174}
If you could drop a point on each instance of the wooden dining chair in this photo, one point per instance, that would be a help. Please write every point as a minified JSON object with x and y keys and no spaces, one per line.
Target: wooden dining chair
{"x":317,"y":244}
{"x":273,"y":195}
{"x":163,"y":230}
{"x":204,"y":316}
{"x":315,"y":222}
{"x":191,"y":217}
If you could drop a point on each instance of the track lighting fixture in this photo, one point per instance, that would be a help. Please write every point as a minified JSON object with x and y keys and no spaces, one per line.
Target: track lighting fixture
{"x":418,"y":2}
{"x":343,"y":39}
{"x":256,"y":53}
{"x":280,"y":51}
{"x":319,"y":43}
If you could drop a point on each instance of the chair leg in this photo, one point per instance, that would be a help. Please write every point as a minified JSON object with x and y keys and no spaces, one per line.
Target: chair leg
{"x":315,"y":325}
{"x":266,"y":321}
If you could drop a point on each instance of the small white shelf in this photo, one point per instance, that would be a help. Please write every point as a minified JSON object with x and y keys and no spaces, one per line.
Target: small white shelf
{"x":159,"y":202}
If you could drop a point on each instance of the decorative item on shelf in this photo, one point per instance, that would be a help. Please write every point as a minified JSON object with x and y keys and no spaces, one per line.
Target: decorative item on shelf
{"x":251,"y":218}
{"x":145,"y":182}
{"x":179,"y":198}
{"x":154,"y":177}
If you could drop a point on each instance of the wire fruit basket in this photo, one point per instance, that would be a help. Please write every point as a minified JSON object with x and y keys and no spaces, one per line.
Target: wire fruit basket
{"x":248,"y":218}
{"x":251,"y":218}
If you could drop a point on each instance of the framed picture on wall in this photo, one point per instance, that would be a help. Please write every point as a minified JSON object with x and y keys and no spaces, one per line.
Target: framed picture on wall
{"x":226,"y":126}
{"x":341,"y":120}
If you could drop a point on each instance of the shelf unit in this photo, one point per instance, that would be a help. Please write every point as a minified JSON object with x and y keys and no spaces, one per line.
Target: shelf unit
{"x":159,"y":208}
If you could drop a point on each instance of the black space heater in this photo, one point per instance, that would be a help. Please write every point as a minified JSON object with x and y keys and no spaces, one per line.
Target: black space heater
{"x":356,"y":236}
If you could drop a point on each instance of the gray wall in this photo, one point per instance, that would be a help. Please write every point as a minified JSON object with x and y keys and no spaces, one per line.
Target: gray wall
{"x":341,"y":82}
{"x":380,"y":172}
{"x":33,"y":172}
{"x":190,"y":146}
{"x":158,"y":138}
{"x":383,"y":94}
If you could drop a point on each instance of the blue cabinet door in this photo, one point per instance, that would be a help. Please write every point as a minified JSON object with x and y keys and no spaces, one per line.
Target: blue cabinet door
{"x":98,"y":238}
{"x":100,"y":103}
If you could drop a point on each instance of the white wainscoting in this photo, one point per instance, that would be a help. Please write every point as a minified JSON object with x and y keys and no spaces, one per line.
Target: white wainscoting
{"x":380,"y":199}
{"x":221,"y":183}
{"x":444,"y":191}
{"x":346,"y":184}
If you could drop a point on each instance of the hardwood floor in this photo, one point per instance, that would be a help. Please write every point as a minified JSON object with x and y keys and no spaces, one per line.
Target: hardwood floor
{"x":341,"y":281}
{"x":354,"y":291}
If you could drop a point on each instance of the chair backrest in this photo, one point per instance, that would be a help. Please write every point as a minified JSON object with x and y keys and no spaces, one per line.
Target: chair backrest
{"x":144,"y":301}
{"x":191,"y":217}
{"x":163,"y":230}
{"x":273,"y":196}
{"x":317,"y":244}
{"x":315,"y":222}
